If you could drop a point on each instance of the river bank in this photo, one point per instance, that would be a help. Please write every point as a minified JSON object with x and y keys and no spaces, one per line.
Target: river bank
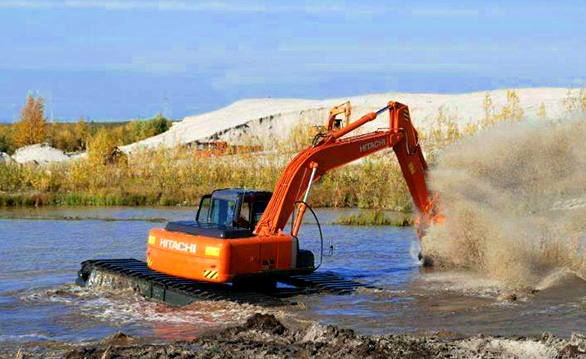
{"x":264,"y":336}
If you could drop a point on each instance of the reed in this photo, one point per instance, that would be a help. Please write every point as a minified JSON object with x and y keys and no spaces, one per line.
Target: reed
{"x":375,"y":218}
{"x":180,"y":176}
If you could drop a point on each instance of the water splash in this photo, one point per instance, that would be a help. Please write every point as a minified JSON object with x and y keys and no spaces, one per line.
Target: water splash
{"x":515,"y":199}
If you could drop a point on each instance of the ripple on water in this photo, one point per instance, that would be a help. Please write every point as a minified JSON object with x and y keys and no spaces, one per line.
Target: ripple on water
{"x":123,"y":308}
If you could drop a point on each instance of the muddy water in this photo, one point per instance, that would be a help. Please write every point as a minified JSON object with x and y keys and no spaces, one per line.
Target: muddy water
{"x":41,"y":250}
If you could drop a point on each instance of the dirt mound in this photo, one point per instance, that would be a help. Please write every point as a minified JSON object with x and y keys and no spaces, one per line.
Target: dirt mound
{"x":264,"y":336}
{"x":265,"y":323}
{"x":117,"y":338}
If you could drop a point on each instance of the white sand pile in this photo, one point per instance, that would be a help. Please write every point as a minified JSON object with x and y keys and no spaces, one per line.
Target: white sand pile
{"x":266,"y":118}
{"x":232,"y":117}
{"x":5,"y":157}
{"x":40,"y":153}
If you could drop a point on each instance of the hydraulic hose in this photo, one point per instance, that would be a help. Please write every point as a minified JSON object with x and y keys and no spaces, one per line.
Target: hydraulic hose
{"x":317,"y":138}
{"x":321,"y":238}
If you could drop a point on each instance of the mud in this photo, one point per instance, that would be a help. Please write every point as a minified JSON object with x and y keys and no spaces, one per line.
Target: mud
{"x":264,"y":336}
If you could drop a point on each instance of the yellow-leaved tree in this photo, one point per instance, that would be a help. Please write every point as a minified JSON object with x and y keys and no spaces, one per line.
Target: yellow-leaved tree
{"x":82,"y":134}
{"x":32,"y":126}
{"x":102,"y":148}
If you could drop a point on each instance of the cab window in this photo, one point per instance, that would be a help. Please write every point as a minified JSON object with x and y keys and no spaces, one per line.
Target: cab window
{"x":203,"y":213}
{"x":243,"y":220}
{"x":223,"y":212}
{"x":259,"y":207}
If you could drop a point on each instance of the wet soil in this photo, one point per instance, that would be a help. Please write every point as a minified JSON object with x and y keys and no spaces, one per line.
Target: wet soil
{"x":264,"y":336}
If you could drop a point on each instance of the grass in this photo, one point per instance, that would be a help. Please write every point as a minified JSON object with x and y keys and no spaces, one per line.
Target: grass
{"x":180,"y":176}
{"x":374,"y":218}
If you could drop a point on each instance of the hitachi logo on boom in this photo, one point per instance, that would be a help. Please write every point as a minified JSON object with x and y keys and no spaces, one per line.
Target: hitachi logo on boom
{"x":178,"y":246}
{"x":372,"y":145}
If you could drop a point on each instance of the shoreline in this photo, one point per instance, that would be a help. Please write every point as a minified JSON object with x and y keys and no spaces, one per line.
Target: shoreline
{"x":347,"y":216}
{"x":264,"y":336}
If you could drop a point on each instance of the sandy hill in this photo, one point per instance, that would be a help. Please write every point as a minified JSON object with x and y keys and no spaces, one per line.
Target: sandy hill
{"x":276,"y":117}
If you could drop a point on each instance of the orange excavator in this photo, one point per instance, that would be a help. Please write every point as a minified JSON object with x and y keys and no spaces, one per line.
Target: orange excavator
{"x":238,"y":249}
{"x":239,"y":235}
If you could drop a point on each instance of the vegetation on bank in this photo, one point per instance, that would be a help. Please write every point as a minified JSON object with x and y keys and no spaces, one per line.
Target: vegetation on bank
{"x":374,"y":218}
{"x":33,"y":128}
{"x":180,"y":176}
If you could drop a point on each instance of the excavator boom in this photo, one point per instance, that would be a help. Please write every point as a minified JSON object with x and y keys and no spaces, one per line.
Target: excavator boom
{"x":334,"y":149}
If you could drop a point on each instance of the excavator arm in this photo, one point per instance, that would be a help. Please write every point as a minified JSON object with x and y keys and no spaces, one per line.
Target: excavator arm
{"x":332,"y":150}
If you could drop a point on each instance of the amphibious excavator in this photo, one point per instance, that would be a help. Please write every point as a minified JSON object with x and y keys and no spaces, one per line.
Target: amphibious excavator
{"x":239,"y":236}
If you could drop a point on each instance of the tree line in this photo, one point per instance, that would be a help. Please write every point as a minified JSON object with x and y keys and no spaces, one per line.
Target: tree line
{"x":32,"y":128}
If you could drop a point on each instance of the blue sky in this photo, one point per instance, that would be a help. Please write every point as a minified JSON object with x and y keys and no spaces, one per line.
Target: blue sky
{"x":111,"y":60}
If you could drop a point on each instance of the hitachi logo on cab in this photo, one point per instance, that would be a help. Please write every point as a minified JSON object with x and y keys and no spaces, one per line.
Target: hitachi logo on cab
{"x":372,"y":145}
{"x":178,"y":246}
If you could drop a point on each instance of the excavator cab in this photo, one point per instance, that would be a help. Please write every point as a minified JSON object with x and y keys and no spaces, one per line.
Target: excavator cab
{"x":224,"y":214}
{"x":232,"y":209}
{"x":219,"y":245}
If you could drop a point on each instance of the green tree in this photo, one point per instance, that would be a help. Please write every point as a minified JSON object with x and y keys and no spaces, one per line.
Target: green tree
{"x":6,"y":140}
{"x":32,"y":126}
{"x":157,"y":125}
{"x":137,"y":130}
{"x":52,"y":136}
{"x":134,"y":131}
